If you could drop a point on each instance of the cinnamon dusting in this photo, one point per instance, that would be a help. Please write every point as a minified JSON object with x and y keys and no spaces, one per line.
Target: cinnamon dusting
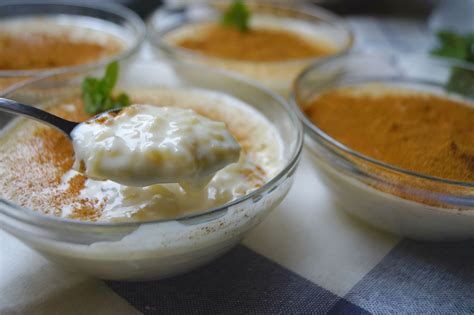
{"x":425,"y":133}
{"x":42,"y":51}
{"x":33,"y":163}
{"x":254,"y":45}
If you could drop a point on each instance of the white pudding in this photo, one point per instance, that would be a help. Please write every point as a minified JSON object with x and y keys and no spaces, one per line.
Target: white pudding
{"x":145,"y":144}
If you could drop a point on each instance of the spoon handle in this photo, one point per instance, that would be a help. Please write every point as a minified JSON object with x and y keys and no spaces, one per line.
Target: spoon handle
{"x":13,"y":107}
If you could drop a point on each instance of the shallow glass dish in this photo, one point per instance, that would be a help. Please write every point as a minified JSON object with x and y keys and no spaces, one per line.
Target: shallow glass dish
{"x":278,"y":75}
{"x":397,"y":200}
{"x":156,"y":249}
{"x":115,"y":20}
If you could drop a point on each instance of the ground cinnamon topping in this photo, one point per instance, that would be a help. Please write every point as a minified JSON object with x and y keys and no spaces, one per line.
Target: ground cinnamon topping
{"x":421,"y":132}
{"x":76,"y":184}
{"x":56,"y":148}
{"x":89,"y":210}
{"x":254,"y":45}
{"x":40,"y":51}
{"x":33,"y":164}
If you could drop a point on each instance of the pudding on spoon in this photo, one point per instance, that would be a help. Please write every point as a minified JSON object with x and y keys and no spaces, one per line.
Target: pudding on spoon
{"x":144,"y":145}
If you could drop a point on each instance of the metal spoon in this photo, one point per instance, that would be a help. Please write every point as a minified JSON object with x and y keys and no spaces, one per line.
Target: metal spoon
{"x":10,"y":106}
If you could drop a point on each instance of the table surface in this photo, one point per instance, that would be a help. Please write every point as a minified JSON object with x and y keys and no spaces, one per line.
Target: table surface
{"x":306,"y":257}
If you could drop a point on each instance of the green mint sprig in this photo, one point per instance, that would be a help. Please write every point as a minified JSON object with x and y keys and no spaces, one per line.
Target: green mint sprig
{"x":237,"y":15}
{"x":97,"y":93}
{"x":452,"y":45}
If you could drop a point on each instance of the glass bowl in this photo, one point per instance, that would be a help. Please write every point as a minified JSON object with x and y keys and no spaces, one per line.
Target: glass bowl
{"x":115,"y":20}
{"x":161,"y":248}
{"x":278,"y":75}
{"x":394,"y":199}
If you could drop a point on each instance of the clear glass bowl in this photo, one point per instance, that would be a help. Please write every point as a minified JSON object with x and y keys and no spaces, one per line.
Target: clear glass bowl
{"x":156,"y":249}
{"x":279,"y":75}
{"x":400,"y":201}
{"x":113,"y":19}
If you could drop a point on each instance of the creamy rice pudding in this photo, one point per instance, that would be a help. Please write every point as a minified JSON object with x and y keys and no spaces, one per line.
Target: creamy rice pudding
{"x":267,"y":41}
{"x":36,"y":164}
{"x":279,"y":42}
{"x":142,"y":145}
{"x":45,"y":43}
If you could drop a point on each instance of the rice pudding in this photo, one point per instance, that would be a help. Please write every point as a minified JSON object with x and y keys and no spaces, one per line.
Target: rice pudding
{"x":420,"y":131}
{"x":36,"y":164}
{"x":35,"y":45}
{"x":142,"y":145}
{"x":109,"y":248}
{"x":278,"y":44}
{"x":267,"y":41}
{"x":397,"y":155}
{"x":46,"y":43}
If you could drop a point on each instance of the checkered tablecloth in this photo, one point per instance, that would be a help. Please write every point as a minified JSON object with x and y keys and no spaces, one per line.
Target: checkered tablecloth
{"x":307,"y":257}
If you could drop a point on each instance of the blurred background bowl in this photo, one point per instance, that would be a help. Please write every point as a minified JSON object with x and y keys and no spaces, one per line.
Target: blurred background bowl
{"x":276,"y":75}
{"x":115,"y":20}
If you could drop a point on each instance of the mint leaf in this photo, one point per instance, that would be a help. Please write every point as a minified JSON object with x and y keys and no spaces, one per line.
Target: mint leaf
{"x":237,"y":15}
{"x":90,"y":95}
{"x":122,"y":100}
{"x":110,"y":78}
{"x":453,"y":45}
{"x":97,"y":93}
{"x":457,"y":46}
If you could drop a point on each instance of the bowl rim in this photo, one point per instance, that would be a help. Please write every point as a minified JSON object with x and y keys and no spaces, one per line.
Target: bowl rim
{"x":32,"y":217}
{"x":327,"y":141}
{"x":326,"y":16}
{"x":109,"y":7}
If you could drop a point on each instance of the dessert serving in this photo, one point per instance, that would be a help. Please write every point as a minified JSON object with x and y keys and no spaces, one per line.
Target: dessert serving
{"x":63,"y":37}
{"x":266,"y":42}
{"x":124,"y":159}
{"x":34,"y":43}
{"x":395,"y":147}
{"x":211,"y":154}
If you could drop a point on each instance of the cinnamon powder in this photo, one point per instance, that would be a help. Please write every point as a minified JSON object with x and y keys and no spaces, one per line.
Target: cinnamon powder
{"x":254,"y":45}
{"x":421,"y":132}
{"x":41,"y":51}
{"x":32,"y":163}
